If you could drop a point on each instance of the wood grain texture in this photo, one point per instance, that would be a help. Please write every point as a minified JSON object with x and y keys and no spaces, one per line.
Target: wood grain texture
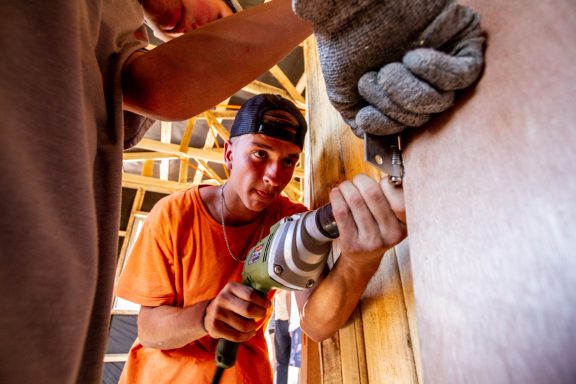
{"x":405,"y":268}
{"x":389,"y":354}
{"x":374,"y":346}
{"x":352,"y":343}
{"x":316,"y":193}
{"x":491,"y":199}
{"x":310,"y":369}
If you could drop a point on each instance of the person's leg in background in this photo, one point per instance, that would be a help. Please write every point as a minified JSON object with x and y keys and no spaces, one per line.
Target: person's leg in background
{"x":269,"y":335}
{"x":282,"y":345}
{"x":295,"y":356}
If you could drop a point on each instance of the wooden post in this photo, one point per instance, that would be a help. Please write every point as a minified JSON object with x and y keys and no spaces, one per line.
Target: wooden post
{"x":375,"y":345}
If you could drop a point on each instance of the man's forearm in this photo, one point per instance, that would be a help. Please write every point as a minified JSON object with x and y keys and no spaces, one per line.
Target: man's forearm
{"x":167,"y":327}
{"x":199,"y":69}
{"x":330,"y":305}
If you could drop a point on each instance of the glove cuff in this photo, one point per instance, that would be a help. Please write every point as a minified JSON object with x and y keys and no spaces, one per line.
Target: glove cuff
{"x":331,"y":15}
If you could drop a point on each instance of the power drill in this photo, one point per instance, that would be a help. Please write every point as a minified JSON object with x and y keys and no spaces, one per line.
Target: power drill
{"x":291,"y":257}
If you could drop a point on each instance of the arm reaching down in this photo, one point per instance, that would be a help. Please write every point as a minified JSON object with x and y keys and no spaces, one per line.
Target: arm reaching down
{"x":195,"y":71}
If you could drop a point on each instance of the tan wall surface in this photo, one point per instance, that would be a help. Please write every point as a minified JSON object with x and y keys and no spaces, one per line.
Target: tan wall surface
{"x":491,"y":198}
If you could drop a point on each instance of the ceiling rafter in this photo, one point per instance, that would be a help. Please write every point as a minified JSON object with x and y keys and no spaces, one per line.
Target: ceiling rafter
{"x":215,"y":155}
{"x":287,"y":84}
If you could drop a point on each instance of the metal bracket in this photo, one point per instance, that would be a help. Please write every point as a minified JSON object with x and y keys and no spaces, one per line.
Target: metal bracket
{"x":385,"y":153}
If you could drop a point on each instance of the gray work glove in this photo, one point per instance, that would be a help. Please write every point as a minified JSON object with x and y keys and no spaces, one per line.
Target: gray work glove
{"x":444,"y":44}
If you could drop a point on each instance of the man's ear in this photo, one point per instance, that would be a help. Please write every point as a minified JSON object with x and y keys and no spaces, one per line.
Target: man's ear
{"x":228,"y":154}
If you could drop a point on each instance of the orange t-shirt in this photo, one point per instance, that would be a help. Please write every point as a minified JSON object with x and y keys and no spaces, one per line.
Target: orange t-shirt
{"x":181,"y":259}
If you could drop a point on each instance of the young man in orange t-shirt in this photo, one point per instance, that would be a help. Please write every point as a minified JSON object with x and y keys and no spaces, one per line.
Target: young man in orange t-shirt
{"x":185,"y":269}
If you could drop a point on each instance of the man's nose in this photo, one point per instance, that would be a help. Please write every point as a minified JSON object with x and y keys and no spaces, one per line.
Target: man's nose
{"x":272,"y":174}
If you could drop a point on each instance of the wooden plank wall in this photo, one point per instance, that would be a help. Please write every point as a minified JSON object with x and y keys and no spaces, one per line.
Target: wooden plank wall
{"x":491,"y":198}
{"x":491,"y":205}
{"x":376,"y":344}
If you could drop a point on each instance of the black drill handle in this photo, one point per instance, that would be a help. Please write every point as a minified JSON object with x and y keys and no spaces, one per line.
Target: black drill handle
{"x":226,"y":352}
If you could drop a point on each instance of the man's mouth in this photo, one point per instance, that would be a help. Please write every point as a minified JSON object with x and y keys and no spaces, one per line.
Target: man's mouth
{"x":265,"y":194}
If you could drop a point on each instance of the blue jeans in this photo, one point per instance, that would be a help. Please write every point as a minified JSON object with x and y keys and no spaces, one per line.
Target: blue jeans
{"x":282,"y":343}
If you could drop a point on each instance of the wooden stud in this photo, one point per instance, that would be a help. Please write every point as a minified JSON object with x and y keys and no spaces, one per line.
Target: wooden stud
{"x":372,"y":347}
{"x":148,"y":168}
{"x":136,"y":206}
{"x":388,"y":344}
{"x":184,"y":144}
{"x":165,"y":137}
{"x":405,"y":268}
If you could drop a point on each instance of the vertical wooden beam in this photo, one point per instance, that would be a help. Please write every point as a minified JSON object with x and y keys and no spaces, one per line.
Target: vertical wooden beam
{"x":405,"y":267}
{"x":148,"y":168}
{"x":310,"y":371}
{"x":184,"y":143}
{"x":323,"y":170}
{"x":165,"y":137}
{"x":353,"y":350}
{"x":373,"y":347}
{"x":136,"y":207}
{"x":389,"y":353}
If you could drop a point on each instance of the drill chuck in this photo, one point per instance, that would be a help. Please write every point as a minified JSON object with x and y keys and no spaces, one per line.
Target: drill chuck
{"x":325,"y":222}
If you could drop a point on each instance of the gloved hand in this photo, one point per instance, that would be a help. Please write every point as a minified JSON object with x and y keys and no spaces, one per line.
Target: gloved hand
{"x":356,"y":37}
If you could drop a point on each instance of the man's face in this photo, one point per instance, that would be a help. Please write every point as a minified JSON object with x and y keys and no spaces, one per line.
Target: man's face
{"x":171,"y":18}
{"x":260,"y":167}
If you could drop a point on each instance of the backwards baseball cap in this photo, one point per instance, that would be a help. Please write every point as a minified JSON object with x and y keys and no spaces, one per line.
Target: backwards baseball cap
{"x":250,"y":119}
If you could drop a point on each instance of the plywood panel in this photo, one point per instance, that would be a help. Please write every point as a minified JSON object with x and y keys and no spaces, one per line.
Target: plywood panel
{"x":491,"y":196}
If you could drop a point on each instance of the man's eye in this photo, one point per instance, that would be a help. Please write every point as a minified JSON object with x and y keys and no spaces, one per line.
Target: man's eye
{"x":289,"y":163}
{"x":259,"y":154}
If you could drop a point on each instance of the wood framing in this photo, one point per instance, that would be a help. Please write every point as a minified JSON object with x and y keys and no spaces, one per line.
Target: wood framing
{"x":375,"y":346}
{"x":136,"y":206}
